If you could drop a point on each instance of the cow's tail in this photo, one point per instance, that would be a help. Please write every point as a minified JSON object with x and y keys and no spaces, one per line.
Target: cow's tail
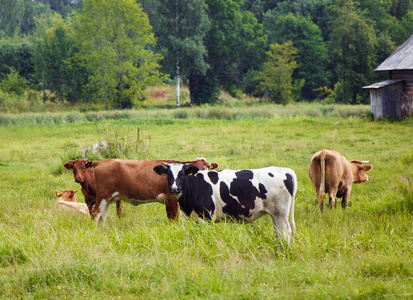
{"x":322,"y":172}
{"x":292,"y":222}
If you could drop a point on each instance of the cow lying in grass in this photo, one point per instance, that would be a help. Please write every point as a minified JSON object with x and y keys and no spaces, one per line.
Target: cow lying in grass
{"x":67,"y":201}
{"x":331,"y":173}
{"x":243,"y":195}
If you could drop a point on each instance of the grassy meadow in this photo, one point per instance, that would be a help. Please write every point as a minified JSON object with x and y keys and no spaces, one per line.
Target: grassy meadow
{"x":365,"y":252}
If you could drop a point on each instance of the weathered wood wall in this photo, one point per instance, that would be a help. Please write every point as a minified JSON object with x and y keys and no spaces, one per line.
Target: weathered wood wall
{"x":386,"y":101}
{"x":406,"y":75}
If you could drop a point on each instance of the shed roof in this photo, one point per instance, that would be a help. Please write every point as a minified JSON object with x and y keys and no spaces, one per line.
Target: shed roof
{"x":401,"y":59}
{"x":382,"y":84}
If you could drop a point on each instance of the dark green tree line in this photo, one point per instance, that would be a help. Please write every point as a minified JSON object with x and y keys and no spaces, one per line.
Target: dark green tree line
{"x":108,"y":51}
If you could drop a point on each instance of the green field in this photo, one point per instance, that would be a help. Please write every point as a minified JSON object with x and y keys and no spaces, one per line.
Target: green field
{"x":365,"y":252}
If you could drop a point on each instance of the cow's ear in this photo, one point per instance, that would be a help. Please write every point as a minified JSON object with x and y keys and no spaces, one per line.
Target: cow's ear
{"x":89,"y":164}
{"x":68,"y":165}
{"x":191,"y":170}
{"x":160,"y":170}
{"x":213,"y":166}
{"x":57,"y":193}
{"x":367,"y":168}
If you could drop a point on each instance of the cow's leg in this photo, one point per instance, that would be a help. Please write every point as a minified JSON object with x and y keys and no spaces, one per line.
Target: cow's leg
{"x":281,"y":226}
{"x":119,"y":208}
{"x":90,"y":207}
{"x":172,"y":207}
{"x":89,"y":200}
{"x":332,"y":197}
{"x":345,"y":198}
{"x":100,"y":210}
{"x":332,"y":201}
{"x":104,"y":207}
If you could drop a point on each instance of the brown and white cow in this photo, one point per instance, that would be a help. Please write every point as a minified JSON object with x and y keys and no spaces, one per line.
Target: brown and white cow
{"x":66,"y":200}
{"x":331,"y":173}
{"x":84,"y":176}
{"x":135,"y":182}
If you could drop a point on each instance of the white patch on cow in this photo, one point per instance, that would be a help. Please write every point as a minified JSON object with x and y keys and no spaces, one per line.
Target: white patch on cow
{"x":175,"y":169}
{"x":161,"y":198}
{"x":103,"y":209}
{"x":115,"y":194}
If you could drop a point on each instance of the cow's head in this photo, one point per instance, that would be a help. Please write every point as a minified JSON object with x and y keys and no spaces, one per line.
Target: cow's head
{"x":202,"y":164}
{"x":67,"y":195}
{"x":176,"y":171}
{"x":79,"y":167}
{"x":358,"y":171}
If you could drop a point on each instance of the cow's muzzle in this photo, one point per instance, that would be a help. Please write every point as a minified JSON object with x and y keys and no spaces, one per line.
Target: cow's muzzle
{"x":175,"y":190}
{"x":78,"y":180}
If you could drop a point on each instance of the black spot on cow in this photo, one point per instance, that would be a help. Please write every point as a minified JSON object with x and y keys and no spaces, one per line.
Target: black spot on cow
{"x":213,"y":176}
{"x":197,"y":196}
{"x":244,"y":175}
{"x":233,"y":207}
{"x":271,"y":174}
{"x":240,"y":196}
{"x":263,"y":191}
{"x":289,"y":183}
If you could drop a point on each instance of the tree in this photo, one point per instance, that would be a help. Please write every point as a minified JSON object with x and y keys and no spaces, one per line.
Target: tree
{"x":235,"y":43}
{"x":259,"y":8}
{"x":399,"y":8}
{"x":180,"y":27}
{"x":18,"y":15}
{"x":13,"y":83}
{"x":403,"y":30}
{"x":57,"y":52}
{"x":53,"y":45}
{"x":276,"y":75}
{"x":352,"y":42}
{"x":379,"y":11}
{"x":16,"y":53}
{"x":307,"y":40}
{"x":115,"y":39}
{"x":63,"y":7}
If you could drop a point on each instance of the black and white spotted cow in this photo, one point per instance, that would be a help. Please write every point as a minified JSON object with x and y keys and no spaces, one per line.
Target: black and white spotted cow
{"x":240,"y":195}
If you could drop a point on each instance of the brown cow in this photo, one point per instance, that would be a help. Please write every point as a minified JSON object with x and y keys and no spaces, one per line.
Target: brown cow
{"x":84,"y":176}
{"x":67,"y":201}
{"x":331,"y":173}
{"x":135,"y":182}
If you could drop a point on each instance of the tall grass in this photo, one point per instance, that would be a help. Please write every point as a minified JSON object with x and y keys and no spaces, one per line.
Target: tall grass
{"x":364,"y":252}
{"x":265,"y":111}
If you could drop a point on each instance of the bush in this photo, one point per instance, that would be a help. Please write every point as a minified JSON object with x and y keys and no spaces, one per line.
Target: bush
{"x":118,"y":142}
{"x":13,"y":83}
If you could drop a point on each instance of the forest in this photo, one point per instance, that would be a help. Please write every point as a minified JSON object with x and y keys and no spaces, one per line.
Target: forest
{"x":106,"y":53}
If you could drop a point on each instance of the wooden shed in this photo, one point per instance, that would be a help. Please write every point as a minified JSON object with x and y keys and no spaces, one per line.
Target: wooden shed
{"x":394,"y":97}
